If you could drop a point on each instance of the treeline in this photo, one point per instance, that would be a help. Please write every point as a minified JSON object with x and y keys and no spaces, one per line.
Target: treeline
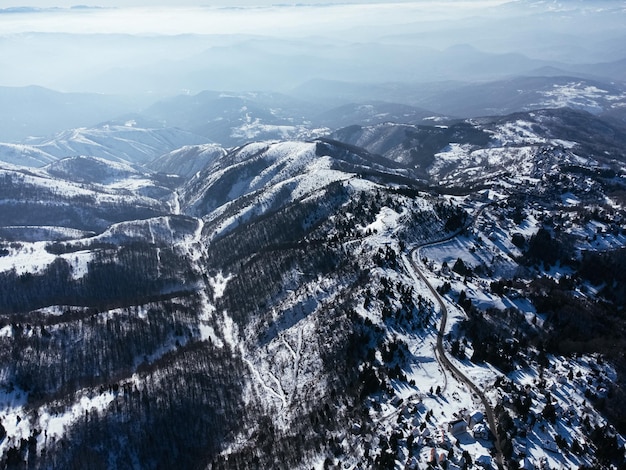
{"x":75,"y":213}
{"x":131,"y":274}
{"x":175,"y":398}
{"x":52,"y":356}
{"x":499,"y":337}
{"x":25,"y":203}
{"x":263,"y":255}
{"x":608,"y":271}
{"x":572,"y":324}
{"x":176,"y":413}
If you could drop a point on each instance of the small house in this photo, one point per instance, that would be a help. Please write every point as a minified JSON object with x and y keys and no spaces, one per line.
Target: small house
{"x":396,"y":401}
{"x":433,"y":456}
{"x":457,"y":427}
{"x":480,"y":431}
{"x":475,"y":418}
{"x":484,"y":461}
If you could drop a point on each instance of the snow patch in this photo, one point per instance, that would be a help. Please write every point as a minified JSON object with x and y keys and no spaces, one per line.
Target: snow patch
{"x":219,"y":283}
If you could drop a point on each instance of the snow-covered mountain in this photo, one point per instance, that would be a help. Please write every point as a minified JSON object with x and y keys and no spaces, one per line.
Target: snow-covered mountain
{"x":278,"y":173}
{"x":122,"y":143}
{"x":323,"y":235}
{"x":431,"y":299}
{"x":24,"y":155}
{"x":188,"y":160}
{"x":81,"y":193}
{"x":411,"y":145}
{"x":544,"y":87}
{"x":82,"y":169}
{"x":529,"y":93}
{"x":474,"y":150}
{"x":232,"y":119}
{"x":374,"y":113}
{"x":235,"y":119}
{"x":36,"y":111}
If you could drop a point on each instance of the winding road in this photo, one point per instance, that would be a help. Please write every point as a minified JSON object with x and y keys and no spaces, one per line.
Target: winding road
{"x":441,"y":352}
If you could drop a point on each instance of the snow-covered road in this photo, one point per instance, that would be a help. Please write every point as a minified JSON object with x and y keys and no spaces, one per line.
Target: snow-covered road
{"x":440,"y":350}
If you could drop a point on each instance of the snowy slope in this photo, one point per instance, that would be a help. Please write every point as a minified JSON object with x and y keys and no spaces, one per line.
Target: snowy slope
{"x":82,"y":169}
{"x":372,"y":113}
{"x":529,"y":93}
{"x":268,"y":175}
{"x":166,"y":231}
{"x":579,"y":94}
{"x":188,"y":160}
{"x":231,"y":119}
{"x":124,"y":143}
{"x":389,"y":139}
{"x":36,"y":197}
{"x":35,"y":256}
{"x":478,"y":149}
{"x":411,"y":145}
{"x":24,"y":155}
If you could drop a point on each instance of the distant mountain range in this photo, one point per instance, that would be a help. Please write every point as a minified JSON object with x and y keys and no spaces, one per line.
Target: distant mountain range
{"x":115,"y":142}
{"x":313,"y":109}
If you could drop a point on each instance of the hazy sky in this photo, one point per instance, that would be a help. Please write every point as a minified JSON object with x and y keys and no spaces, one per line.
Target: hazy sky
{"x":149,"y":3}
{"x":312,"y":18}
{"x":212,"y":44}
{"x":130,"y":3}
